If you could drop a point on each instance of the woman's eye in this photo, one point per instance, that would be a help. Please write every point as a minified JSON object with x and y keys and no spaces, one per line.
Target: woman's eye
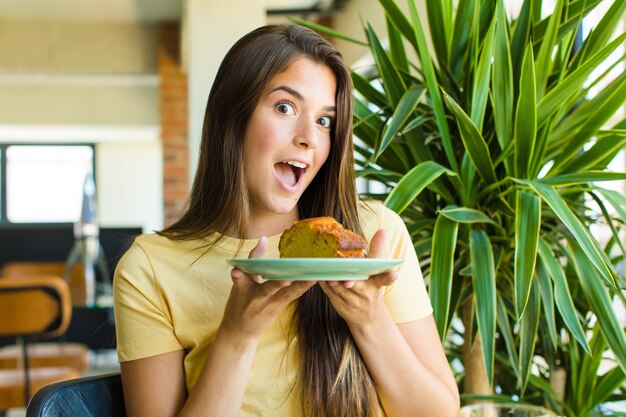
{"x":325,"y":121}
{"x":284,"y":108}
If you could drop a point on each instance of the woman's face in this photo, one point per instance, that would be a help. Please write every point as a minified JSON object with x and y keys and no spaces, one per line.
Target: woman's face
{"x":288,"y":138}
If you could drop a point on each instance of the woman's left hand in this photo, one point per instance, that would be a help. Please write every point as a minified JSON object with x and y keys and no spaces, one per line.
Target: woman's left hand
{"x":359,"y":301}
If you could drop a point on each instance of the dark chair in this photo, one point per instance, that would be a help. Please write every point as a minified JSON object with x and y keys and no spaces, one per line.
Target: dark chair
{"x":94,"y":396}
{"x":56,"y":354}
{"x":31,"y":308}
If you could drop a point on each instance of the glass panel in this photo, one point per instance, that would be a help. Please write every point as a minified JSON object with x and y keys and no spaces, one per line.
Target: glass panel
{"x":44,"y":183}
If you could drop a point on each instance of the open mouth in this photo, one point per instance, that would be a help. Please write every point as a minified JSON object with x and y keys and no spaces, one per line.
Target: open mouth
{"x":290,"y":172}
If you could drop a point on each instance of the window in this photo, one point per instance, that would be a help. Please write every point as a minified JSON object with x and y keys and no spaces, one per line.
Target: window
{"x":43,"y":183}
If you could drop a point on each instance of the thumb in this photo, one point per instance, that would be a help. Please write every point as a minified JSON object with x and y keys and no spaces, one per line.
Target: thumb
{"x":377,"y":244}
{"x":259,"y":249}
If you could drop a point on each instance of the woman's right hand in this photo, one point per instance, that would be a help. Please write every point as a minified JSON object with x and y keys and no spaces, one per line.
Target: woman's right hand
{"x":254,"y":302}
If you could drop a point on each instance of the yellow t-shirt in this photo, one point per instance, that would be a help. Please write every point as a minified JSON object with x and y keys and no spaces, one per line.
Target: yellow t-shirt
{"x":170,"y":295}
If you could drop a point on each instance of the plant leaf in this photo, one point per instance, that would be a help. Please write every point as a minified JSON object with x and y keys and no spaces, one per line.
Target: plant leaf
{"x":526,"y":116}
{"x":368,"y":91}
{"x":502,"y":80}
{"x":569,"y":219}
{"x":562,"y":296}
{"x":603,"y":31}
{"x":607,"y":384}
{"x":547,"y":298}
{"x":600,"y":109}
{"x":617,"y":200}
{"x":544,"y":58}
{"x":464,"y":25}
{"x":573,"y":83}
{"x":403,"y":111}
{"x":433,"y":87}
{"x":507,"y":335}
{"x":527,"y":223}
{"x":396,"y":47}
{"x":414,"y":183}
{"x":604,"y":148}
{"x":391,"y":79}
{"x":400,"y":21}
{"x":597,"y":295}
{"x":481,"y":79}
{"x":465,"y":215}
{"x":528,"y":334}
{"x":326,"y":30}
{"x":474,"y":143}
{"x":484,"y":283}
{"x":521,"y":34}
{"x":439,"y":21}
{"x":583,"y":178}
{"x":441,"y":269}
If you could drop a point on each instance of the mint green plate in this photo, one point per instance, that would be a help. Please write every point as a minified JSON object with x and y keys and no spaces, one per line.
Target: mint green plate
{"x":315,"y":269}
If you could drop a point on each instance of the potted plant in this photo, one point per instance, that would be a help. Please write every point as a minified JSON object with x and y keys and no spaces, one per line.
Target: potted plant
{"x":495,"y":153}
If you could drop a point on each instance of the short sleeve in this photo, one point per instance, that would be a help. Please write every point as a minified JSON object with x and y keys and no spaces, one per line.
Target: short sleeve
{"x":143,"y":325}
{"x":407,"y":298}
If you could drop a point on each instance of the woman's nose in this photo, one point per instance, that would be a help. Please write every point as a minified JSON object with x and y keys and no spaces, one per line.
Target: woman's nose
{"x":306,"y":133}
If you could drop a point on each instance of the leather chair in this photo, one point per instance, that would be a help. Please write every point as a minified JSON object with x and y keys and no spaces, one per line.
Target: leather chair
{"x":60,"y":354}
{"x":95,"y":396}
{"x":17,"y":269}
{"x":32,"y":308}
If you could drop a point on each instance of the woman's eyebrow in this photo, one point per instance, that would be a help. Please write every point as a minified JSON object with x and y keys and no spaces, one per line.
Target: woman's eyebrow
{"x":299,"y":96}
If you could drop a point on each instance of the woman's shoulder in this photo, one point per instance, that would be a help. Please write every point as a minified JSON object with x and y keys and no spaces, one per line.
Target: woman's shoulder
{"x":374,"y":215}
{"x":154,"y":244}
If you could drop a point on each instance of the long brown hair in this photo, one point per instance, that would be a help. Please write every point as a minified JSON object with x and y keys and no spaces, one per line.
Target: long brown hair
{"x":333,"y":379}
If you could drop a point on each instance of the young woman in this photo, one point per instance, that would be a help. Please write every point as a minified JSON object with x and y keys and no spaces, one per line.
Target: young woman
{"x":199,"y":338}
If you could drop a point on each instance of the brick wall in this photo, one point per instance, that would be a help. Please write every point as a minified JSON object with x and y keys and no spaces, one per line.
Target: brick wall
{"x":174,"y":130}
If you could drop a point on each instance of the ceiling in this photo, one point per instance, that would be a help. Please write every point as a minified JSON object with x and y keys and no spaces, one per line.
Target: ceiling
{"x":119,"y":10}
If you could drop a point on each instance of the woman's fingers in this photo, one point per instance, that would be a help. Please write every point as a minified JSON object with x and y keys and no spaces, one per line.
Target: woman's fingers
{"x":377,"y":244}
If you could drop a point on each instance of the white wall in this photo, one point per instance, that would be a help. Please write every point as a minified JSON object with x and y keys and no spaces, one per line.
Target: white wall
{"x":73,"y":82}
{"x":130,"y":191}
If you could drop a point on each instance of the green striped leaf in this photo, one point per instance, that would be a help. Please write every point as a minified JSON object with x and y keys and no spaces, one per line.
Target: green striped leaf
{"x":482,"y":76}
{"x":433,"y":87}
{"x":392,"y":81}
{"x":403,"y":111}
{"x":396,"y":47}
{"x":440,"y":23}
{"x":326,"y":30}
{"x":441,"y":270}
{"x":617,"y":201}
{"x":569,"y":219}
{"x":368,"y":91}
{"x":526,"y":116}
{"x":600,"y":109}
{"x":484,"y":283}
{"x":465,"y":215}
{"x":474,"y":143}
{"x":413,"y":183}
{"x":528,"y":335}
{"x":547,"y":298}
{"x":598,"y":297}
{"x":573,"y":83}
{"x":507,"y":335}
{"x":544,"y":58}
{"x":527,"y":223}
{"x":603,"y":31}
{"x":398,"y":19}
{"x":604,"y":148}
{"x":502,"y":80}
{"x":521,"y":34}
{"x":562,"y":296}
{"x":583,"y":178}
{"x":607,"y":384}
{"x":465,"y":23}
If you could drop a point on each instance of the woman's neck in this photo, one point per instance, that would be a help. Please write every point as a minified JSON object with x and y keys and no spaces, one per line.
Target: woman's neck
{"x":269,"y":224}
